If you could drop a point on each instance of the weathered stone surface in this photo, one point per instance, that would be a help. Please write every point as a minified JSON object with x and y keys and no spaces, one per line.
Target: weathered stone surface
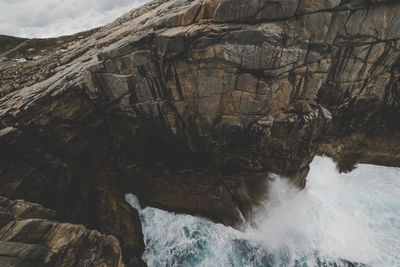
{"x":30,"y":238}
{"x":26,"y":210}
{"x":22,"y":254}
{"x":192,"y":104}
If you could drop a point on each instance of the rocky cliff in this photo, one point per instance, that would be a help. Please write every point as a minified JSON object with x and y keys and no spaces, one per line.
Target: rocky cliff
{"x":191,"y":104}
{"x":29,"y":237}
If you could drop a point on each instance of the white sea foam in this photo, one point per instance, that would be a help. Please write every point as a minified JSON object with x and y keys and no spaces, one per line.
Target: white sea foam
{"x":354,"y":217}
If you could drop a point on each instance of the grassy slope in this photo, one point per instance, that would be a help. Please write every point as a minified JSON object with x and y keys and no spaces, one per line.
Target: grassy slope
{"x":37,"y":46}
{"x":9,"y":42}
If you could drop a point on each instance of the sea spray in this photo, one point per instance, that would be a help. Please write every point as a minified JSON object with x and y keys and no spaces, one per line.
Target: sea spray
{"x":336,"y":219}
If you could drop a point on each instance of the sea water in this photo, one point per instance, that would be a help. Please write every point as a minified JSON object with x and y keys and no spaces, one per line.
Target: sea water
{"x":337,"y":220}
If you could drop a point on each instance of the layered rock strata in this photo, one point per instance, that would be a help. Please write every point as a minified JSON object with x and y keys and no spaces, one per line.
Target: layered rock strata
{"x":192,"y":104}
{"x":30,"y":237}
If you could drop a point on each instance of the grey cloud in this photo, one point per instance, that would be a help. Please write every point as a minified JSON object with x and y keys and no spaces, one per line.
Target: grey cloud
{"x":47,"y":18}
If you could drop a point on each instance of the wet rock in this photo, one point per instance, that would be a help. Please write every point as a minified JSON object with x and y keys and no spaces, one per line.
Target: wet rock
{"x":193,"y":104}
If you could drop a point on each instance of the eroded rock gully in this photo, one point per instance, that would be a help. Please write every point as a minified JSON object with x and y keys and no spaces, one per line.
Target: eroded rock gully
{"x":192,"y":104}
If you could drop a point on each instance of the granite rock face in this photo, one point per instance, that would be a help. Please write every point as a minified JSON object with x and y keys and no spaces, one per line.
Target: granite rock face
{"x":29,"y":237}
{"x":192,"y":104}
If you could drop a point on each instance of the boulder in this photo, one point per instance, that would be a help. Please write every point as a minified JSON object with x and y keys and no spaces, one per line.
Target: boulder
{"x":30,"y":237}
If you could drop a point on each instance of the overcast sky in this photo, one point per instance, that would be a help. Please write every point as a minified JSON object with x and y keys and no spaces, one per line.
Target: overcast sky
{"x":48,"y":18}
